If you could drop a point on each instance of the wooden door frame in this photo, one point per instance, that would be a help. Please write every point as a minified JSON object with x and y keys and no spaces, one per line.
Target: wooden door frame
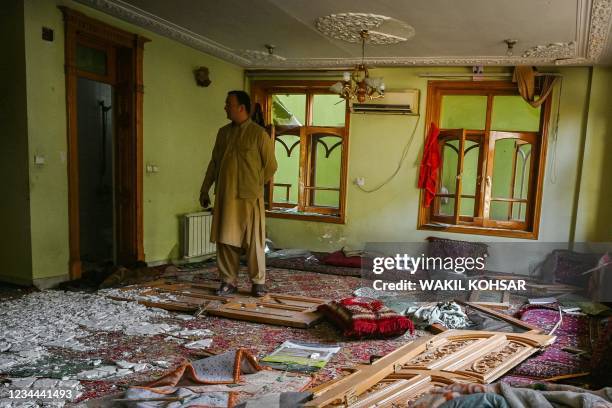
{"x":78,"y":26}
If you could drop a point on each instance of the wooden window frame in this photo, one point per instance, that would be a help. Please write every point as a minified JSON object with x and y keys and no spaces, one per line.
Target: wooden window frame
{"x":480,"y":224}
{"x":261,"y":92}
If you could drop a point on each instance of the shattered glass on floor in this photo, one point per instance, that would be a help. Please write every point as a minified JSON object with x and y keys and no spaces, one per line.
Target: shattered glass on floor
{"x":54,"y":319}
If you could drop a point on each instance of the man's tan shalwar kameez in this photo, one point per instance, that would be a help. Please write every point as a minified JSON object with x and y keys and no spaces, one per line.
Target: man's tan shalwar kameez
{"x":242,"y":162}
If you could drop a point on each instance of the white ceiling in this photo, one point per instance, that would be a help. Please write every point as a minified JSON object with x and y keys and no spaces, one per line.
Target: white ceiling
{"x":446,"y":32}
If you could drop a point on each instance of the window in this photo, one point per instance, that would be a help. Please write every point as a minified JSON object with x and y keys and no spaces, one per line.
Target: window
{"x":310,"y":131}
{"x":95,"y":60}
{"x":492,"y":146}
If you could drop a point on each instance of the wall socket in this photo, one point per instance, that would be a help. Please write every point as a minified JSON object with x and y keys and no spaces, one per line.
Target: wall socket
{"x":360,"y":181}
{"x":152,"y":168}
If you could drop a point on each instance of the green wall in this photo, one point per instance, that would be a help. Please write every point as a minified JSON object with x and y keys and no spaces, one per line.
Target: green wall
{"x":14,"y":207}
{"x":390,"y":214}
{"x":594,"y":210}
{"x":180,"y":124}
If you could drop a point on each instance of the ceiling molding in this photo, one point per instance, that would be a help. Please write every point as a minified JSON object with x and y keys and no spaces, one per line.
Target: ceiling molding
{"x":256,"y":55}
{"x":601,"y":19}
{"x":593,"y":21}
{"x":141,"y":18}
{"x":296,"y":63}
{"x":552,"y":51}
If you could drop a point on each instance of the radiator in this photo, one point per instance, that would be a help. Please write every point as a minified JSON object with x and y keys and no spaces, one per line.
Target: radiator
{"x":196,"y":235}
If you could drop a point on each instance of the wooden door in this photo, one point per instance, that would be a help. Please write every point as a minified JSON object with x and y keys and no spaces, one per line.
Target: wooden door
{"x":124,"y":71}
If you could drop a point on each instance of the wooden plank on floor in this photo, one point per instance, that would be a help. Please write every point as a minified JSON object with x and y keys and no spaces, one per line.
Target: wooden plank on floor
{"x":273,"y":308}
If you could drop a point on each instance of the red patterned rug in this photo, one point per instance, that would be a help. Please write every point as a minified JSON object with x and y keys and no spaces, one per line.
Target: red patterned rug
{"x":262,"y":339}
{"x":259,"y":339}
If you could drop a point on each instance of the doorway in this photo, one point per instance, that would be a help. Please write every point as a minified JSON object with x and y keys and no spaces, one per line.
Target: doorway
{"x":96,"y":171}
{"x":104,"y":96}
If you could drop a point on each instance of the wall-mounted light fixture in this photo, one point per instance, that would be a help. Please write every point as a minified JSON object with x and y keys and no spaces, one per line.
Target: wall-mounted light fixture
{"x":202,"y":76}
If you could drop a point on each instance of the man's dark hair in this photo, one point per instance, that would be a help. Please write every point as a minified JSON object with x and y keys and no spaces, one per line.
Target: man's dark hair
{"x":243,"y":99}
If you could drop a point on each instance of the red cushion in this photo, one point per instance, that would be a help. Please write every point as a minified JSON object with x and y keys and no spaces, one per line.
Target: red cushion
{"x":364,"y":317}
{"x":339,"y":259}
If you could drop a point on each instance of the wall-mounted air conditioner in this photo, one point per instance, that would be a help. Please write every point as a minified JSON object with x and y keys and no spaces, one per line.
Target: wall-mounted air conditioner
{"x":395,"y":102}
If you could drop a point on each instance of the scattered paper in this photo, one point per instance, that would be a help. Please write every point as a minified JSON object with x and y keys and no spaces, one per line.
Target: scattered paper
{"x":300,"y":357}
{"x":200,"y":344}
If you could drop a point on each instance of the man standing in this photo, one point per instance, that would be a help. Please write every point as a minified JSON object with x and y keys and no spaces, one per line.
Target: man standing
{"x":242,"y":162}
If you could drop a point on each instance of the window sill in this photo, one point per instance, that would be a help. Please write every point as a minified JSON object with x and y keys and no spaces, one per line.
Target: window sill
{"x":305,"y":216}
{"x":466,"y":229}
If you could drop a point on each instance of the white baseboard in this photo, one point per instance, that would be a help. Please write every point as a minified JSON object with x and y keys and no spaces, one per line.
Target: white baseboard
{"x":51,"y":282}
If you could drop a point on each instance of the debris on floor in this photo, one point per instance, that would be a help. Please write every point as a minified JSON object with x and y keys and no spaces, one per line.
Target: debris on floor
{"x":37,"y":321}
{"x":215,"y":381}
{"x":201,"y":297}
{"x":120,"y":369}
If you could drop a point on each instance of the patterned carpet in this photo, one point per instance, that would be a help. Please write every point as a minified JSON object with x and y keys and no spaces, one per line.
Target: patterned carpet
{"x":312,"y":264}
{"x":262,"y":339}
{"x":259,"y":339}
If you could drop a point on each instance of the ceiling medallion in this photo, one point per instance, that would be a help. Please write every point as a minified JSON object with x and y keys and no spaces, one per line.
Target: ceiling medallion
{"x":348,"y":26}
{"x":552,"y":51}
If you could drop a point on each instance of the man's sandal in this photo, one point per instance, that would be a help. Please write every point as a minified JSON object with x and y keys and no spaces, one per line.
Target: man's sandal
{"x":259,"y":290}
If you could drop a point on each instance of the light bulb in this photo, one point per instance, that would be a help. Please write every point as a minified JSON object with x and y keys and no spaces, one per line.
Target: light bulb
{"x":337,"y":87}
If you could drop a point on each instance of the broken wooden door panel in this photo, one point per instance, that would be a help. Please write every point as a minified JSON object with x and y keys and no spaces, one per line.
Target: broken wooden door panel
{"x":301,"y":301}
{"x":208,"y":290}
{"x":393,"y":393}
{"x":174,"y":307}
{"x":497,"y":361}
{"x":400,"y":392}
{"x":446,"y":352}
{"x":265,"y":313}
{"x":450,"y":357}
{"x":485,"y":356}
{"x":362,"y":380}
{"x":285,"y":310}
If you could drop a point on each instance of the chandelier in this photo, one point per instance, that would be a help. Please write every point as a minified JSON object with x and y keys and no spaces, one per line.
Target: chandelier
{"x":358,"y":84}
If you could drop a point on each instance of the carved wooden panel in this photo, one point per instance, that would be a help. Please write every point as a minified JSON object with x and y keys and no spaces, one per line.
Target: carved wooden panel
{"x":400,"y":391}
{"x":412,"y":370}
{"x":485,"y":356}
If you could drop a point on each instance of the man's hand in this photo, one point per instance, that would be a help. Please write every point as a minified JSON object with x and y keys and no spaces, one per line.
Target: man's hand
{"x":204,"y":199}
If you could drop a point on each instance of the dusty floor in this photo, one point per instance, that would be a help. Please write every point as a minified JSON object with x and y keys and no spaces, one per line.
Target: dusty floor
{"x":106,"y":345}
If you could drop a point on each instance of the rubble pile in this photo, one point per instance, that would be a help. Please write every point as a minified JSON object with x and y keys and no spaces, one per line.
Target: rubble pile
{"x":136,"y":293}
{"x":59,"y":319}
